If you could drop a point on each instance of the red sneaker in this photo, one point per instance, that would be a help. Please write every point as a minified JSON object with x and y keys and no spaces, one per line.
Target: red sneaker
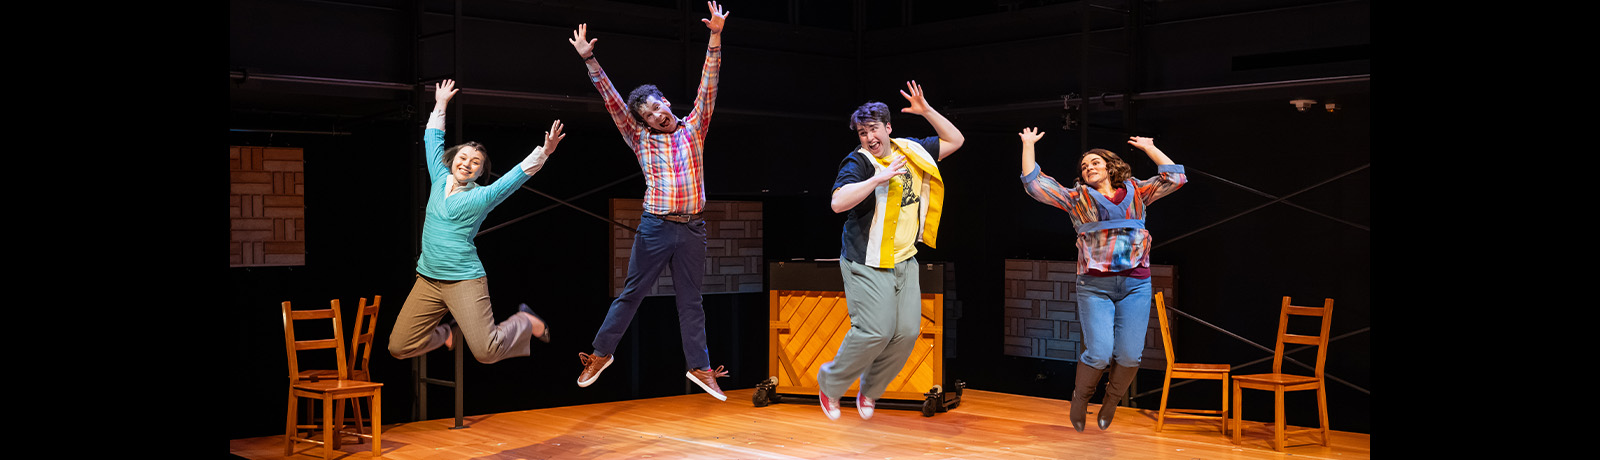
{"x":830,"y":406}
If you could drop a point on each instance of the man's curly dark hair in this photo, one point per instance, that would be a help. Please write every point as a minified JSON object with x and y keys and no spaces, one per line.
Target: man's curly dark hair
{"x":637,"y":98}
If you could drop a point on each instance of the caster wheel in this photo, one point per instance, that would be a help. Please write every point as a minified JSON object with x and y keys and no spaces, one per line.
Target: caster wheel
{"x":760,"y":398}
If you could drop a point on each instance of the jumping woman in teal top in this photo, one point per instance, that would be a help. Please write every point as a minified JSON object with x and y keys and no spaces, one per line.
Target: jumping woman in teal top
{"x":450,"y":278}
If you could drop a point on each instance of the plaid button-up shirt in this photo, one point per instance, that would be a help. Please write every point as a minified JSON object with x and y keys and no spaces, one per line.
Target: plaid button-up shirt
{"x":672,"y":162}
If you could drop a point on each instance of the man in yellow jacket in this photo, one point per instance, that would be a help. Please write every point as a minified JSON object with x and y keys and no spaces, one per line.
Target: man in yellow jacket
{"x":894,"y":196}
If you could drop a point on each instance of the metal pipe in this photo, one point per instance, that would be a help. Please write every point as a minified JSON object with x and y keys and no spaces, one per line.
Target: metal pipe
{"x":288,"y":131}
{"x":341,"y":82}
{"x":1167,"y":94}
{"x":1015,"y":106}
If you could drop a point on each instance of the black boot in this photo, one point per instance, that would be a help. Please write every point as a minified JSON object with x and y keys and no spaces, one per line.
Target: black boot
{"x":1116,"y":386}
{"x":1087,"y":377}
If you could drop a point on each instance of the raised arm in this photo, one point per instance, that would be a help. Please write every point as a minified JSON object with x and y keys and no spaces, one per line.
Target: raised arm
{"x":1029,"y":137}
{"x":585,"y":46}
{"x":433,"y":134}
{"x":615,"y":105}
{"x":536,"y":160}
{"x":1148,"y":145}
{"x":487,"y":198}
{"x":442,"y":92}
{"x":1041,"y":186}
{"x":710,"y":73}
{"x":1169,"y":175}
{"x":850,"y":195}
{"x":950,"y":138}
{"x":718,"y":17}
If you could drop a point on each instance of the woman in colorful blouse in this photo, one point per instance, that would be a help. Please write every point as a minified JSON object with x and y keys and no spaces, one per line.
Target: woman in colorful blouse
{"x":1107,"y":207}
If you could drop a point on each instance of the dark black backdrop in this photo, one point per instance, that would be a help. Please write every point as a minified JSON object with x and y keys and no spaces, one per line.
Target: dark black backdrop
{"x":777,"y":137}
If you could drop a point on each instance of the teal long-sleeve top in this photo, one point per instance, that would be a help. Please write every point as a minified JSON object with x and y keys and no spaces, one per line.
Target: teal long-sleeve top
{"x":452,"y":220}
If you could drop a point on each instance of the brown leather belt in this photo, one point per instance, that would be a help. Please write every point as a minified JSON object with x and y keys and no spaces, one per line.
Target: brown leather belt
{"x":679,"y":218}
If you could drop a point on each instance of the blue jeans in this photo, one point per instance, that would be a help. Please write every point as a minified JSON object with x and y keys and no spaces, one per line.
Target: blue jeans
{"x":658,"y":244}
{"x":1115,"y":313}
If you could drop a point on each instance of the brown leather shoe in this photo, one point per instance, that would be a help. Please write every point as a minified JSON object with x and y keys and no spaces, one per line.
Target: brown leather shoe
{"x":707,"y":380}
{"x":592,"y":365}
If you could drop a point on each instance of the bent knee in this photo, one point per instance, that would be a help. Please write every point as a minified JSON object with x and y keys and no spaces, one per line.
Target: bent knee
{"x":910,"y":331}
{"x":872,"y":337}
{"x":397,"y":349}
{"x":1127,"y":361}
{"x":1095,"y":358}
{"x":485,"y":357}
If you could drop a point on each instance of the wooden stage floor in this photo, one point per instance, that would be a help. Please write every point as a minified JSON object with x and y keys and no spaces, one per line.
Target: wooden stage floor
{"x":986,"y":425}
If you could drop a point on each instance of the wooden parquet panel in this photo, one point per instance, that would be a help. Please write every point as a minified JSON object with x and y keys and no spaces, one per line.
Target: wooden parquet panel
{"x":810,"y":325}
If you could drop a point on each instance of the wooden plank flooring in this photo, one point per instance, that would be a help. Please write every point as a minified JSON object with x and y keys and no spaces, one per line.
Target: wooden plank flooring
{"x":986,"y":425}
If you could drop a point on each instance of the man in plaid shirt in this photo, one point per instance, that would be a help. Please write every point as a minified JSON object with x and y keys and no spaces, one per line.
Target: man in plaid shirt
{"x":671,"y":230}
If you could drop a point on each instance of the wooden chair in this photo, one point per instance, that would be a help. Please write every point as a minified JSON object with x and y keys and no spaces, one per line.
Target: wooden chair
{"x":1278,"y":382}
{"x":330,"y":391}
{"x":361,"y":354}
{"x":1179,"y":370}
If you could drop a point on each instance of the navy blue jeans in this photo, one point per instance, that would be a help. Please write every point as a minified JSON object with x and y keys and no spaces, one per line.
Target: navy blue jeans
{"x":660,"y":244}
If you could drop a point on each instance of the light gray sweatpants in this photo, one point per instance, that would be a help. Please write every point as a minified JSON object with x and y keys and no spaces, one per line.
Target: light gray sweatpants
{"x":885,"y":318}
{"x":418,"y":329}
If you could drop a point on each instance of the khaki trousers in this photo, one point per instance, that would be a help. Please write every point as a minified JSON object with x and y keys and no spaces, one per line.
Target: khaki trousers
{"x":418,"y":329}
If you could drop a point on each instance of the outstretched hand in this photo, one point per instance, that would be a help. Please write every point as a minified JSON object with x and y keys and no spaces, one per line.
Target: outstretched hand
{"x":919,"y":104}
{"x":443,"y":91}
{"x":717,"y":17}
{"x":896,"y":167}
{"x":581,"y":42}
{"x":1030,"y":135}
{"x":1148,"y":145}
{"x":553,"y":137}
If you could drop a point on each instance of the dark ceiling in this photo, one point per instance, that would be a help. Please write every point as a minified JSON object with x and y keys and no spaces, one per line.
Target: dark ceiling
{"x":325,"y":65}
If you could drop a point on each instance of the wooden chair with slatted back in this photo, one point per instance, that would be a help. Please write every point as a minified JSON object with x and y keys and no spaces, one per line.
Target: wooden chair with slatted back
{"x":1279,"y":382}
{"x":332,"y":392}
{"x":361,"y":354}
{"x":1179,"y":370}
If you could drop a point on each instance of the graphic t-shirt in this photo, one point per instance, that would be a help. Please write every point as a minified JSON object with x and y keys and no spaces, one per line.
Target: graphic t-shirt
{"x":907,"y":223}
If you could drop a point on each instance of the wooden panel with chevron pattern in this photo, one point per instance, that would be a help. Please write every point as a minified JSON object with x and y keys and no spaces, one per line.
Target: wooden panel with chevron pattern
{"x":808,"y":326}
